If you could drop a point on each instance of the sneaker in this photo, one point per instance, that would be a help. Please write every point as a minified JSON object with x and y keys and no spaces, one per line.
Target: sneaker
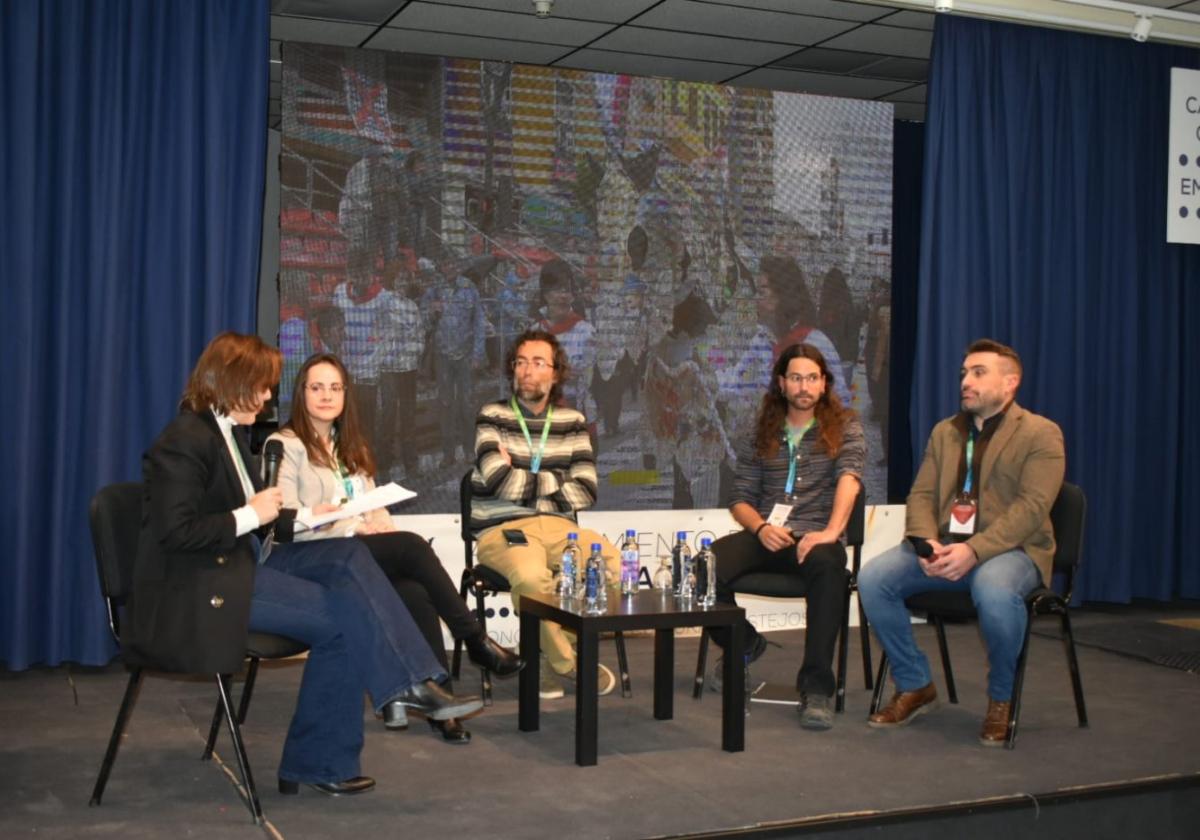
{"x":716,"y":680}
{"x":549,"y":685}
{"x":815,"y":713}
{"x":605,"y":681}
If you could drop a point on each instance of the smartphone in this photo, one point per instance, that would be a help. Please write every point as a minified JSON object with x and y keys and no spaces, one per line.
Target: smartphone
{"x":515,"y":536}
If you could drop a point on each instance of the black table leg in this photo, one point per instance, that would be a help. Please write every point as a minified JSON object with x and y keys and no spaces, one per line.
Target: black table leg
{"x":527,"y":689}
{"x":586,"y":698}
{"x":733,"y":699}
{"x":664,"y":674}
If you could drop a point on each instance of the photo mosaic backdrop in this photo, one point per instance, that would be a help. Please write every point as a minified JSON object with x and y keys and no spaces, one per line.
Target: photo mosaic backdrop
{"x":705,"y":228}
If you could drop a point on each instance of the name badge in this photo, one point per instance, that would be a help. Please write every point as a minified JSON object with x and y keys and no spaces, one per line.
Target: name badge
{"x":779,"y":515}
{"x":962,"y":516}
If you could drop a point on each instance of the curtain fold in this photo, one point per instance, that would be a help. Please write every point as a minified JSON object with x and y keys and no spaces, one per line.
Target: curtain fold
{"x":1044,"y":226}
{"x":132,"y":151}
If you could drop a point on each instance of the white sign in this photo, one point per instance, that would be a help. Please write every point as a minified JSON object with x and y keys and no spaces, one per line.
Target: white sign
{"x":1183,"y":164}
{"x":655,"y":534}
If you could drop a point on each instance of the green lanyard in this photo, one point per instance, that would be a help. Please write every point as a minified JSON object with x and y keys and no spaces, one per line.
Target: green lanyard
{"x":536,"y":457}
{"x":344,"y":475}
{"x":793,"y":442}
{"x":967,"y":482}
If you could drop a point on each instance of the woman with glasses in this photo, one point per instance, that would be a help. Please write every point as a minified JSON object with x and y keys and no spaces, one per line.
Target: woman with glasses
{"x":326,"y":462}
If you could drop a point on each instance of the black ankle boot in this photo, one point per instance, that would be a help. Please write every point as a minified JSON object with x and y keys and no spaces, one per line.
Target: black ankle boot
{"x":484,"y":652}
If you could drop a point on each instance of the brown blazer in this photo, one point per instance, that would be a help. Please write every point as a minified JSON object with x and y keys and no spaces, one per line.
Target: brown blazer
{"x":1019,"y":479}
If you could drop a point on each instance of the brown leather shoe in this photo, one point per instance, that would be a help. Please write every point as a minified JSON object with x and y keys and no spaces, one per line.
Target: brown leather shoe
{"x":995,"y":724}
{"x":904,"y":706}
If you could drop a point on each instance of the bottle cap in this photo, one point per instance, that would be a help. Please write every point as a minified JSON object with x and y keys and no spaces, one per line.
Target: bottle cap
{"x":681,"y":535}
{"x":572,"y":536}
{"x":629,"y":532}
{"x":706,"y":542}
{"x":595,"y":547}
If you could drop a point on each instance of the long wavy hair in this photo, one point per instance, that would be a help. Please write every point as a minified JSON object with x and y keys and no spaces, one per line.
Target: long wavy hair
{"x":349,"y":442}
{"x":831,"y":415}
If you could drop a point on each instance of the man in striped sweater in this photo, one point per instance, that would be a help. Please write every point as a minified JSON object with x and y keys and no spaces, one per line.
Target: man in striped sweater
{"x":534,"y":470}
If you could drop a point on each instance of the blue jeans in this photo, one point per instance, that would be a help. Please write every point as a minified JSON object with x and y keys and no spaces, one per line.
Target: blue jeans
{"x":998,"y":588}
{"x":331,"y":595}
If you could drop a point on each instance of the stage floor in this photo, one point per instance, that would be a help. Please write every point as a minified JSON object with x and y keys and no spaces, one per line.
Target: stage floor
{"x":654,"y":778}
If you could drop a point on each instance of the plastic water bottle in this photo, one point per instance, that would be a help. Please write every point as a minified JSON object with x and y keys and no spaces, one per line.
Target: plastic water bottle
{"x":706,"y":574}
{"x":565,"y":585}
{"x":687,"y":578}
{"x":595,"y":594}
{"x":679,"y":555}
{"x":631,"y":565}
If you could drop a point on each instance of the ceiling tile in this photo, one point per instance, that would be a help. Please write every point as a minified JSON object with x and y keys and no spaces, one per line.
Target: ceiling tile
{"x":910,"y":111}
{"x":365,"y":11}
{"x":827,"y":61}
{"x":492,"y":24}
{"x":907,"y":69}
{"x":916,"y":93}
{"x":911,"y":19}
{"x":820,"y":83}
{"x":643,"y":65}
{"x":312,"y":31}
{"x":817,"y":8}
{"x":465,"y":46}
{"x":611,"y":11}
{"x":885,"y":40}
{"x":684,"y":45}
{"x":741,"y":22}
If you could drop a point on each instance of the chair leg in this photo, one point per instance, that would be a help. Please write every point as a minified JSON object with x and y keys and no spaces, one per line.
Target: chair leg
{"x":239,"y":749}
{"x":213,"y":729}
{"x":623,"y":665}
{"x":247,"y":690}
{"x":880,"y":681}
{"x":1014,"y":709}
{"x":1073,"y":663}
{"x":839,"y":704}
{"x":864,"y":636}
{"x":944,"y":649}
{"x":456,"y":660}
{"x":701,"y":662}
{"x":110,"y":754}
{"x":485,"y":678}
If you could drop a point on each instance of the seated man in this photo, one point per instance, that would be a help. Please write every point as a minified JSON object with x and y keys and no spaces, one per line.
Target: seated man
{"x":977,"y":520}
{"x":534,"y":469}
{"x":795,"y":487}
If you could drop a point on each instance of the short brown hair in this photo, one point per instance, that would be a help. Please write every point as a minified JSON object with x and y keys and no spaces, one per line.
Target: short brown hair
{"x":231,"y":372}
{"x":561,"y":364}
{"x":987,"y":345}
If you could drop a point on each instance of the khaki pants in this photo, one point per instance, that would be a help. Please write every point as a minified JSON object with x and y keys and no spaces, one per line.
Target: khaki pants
{"x":528,"y":569}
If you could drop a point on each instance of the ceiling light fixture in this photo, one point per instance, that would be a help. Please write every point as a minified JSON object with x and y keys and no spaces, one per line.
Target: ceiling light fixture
{"x":542,"y":8}
{"x":943,"y":6}
{"x":1141,"y":29}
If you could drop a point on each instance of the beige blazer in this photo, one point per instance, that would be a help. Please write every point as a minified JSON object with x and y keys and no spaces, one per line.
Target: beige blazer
{"x":1019,"y":479}
{"x":305,"y":485}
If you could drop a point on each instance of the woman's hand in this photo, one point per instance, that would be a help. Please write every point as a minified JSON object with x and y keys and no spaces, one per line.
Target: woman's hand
{"x":267,"y":504}
{"x":324,"y":507}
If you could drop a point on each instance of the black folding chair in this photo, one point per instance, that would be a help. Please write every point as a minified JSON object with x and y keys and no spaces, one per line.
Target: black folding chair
{"x":780,"y":585}
{"x":1067,"y":516}
{"x":484,"y":581}
{"x":115,"y":516}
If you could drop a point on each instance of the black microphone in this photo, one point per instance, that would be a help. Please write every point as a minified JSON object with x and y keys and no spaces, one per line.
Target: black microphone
{"x":922,"y":547}
{"x":272,"y":455}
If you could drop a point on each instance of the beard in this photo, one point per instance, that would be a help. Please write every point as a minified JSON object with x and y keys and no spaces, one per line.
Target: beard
{"x":531,"y":393}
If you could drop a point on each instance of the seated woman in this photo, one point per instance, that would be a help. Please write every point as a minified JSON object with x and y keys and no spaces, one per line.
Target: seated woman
{"x":326,"y":460}
{"x":207,"y":573}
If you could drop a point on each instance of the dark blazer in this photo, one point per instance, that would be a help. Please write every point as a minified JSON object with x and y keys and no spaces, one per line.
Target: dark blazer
{"x":189,"y":610}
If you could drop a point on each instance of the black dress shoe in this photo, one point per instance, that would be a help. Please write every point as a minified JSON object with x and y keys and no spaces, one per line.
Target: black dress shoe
{"x":452,"y":731}
{"x":395,"y":716}
{"x":485,"y":652}
{"x":433,"y":701}
{"x":346,"y":787}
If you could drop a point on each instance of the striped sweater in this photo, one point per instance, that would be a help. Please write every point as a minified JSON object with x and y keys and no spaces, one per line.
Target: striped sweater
{"x":565,"y":483}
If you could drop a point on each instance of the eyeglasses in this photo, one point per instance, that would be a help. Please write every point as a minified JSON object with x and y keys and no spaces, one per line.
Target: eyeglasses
{"x":538,"y":365}
{"x":319,"y":388}
{"x":803,"y":378}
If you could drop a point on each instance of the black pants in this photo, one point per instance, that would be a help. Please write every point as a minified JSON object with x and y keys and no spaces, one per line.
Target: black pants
{"x":825,"y":579}
{"x":421,"y":581}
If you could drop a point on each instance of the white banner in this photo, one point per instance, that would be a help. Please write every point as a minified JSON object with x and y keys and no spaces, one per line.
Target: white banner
{"x":1183,"y":159}
{"x":656,"y":531}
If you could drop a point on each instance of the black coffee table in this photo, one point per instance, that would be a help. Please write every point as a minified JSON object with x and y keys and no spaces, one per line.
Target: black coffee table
{"x":647,"y":610}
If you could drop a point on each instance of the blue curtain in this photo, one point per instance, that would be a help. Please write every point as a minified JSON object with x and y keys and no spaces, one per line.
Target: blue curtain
{"x":1044,"y":226}
{"x":132,"y":149}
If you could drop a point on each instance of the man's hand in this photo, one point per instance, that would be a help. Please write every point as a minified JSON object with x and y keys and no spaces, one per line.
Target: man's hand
{"x":267,"y":504}
{"x":811,"y":540}
{"x":504,"y":454}
{"x":775,"y":538}
{"x":952,"y":562}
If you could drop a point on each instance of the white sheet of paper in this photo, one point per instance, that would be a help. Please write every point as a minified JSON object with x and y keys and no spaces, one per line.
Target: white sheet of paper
{"x":388,"y":494}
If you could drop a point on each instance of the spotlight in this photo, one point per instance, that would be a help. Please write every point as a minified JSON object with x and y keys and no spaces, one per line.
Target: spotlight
{"x":943,"y":6}
{"x":542,"y":8}
{"x":1141,"y":29}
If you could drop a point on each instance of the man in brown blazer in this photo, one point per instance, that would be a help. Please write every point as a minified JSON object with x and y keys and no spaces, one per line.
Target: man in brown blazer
{"x":977,"y":520}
